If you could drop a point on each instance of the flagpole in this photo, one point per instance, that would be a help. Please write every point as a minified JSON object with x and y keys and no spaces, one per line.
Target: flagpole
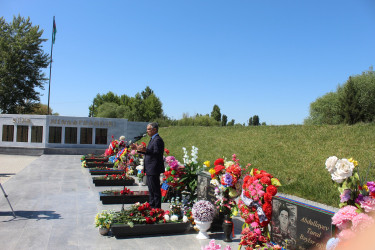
{"x":50,"y":65}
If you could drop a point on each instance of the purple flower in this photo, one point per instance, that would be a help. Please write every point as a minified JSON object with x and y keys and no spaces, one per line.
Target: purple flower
{"x":371,"y":186}
{"x":359,"y":199}
{"x":228,"y":180}
{"x":345,"y":196}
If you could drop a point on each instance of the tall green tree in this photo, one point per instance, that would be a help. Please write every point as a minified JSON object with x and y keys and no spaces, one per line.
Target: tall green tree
{"x":21,"y":62}
{"x":251,"y":121}
{"x":100,"y":100}
{"x":216,"y":114}
{"x":353,"y":102}
{"x":256,"y":120}
{"x":224,"y":120}
{"x":349,"y":100}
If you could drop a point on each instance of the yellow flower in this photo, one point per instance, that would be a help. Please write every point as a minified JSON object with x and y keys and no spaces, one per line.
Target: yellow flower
{"x":355,"y":163}
{"x":211,"y":171}
{"x":207,"y":163}
{"x":365,"y":187}
{"x":235,"y":212}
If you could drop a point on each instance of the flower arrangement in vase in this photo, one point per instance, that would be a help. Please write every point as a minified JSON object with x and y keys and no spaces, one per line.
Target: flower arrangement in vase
{"x":357,"y":200}
{"x":103,"y":221}
{"x":226,"y":177}
{"x":255,"y":206}
{"x":203,"y":213}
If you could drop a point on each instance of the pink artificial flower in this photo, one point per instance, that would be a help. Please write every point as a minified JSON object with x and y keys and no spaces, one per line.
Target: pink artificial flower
{"x":212,"y":246}
{"x":345,"y":214}
{"x":254,"y":224}
{"x":257,"y":231}
{"x":368,"y":204}
{"x":362,"y":221}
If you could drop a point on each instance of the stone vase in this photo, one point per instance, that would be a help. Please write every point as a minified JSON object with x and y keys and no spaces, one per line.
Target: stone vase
{"x":227,"y":228}
{"x":203,"y":226}
{"x":103,"y":230}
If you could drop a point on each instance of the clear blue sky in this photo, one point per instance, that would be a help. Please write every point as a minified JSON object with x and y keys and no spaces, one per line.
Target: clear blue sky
{"x":250,"y":57}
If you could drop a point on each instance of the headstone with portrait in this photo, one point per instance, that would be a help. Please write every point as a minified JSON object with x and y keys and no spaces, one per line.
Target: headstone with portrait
{"x":297,"y":225}
{"x":206,"y":191}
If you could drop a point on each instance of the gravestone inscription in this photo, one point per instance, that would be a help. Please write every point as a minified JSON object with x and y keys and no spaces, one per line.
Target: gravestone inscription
{"x":296,"y":225}
{"x":205,"y":191}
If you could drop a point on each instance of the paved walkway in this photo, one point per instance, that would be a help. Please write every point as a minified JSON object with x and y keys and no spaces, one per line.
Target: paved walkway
{"x":56,"y":202}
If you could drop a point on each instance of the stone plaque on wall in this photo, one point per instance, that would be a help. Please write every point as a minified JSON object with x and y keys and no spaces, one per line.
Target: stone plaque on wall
{"x":296,"y":225}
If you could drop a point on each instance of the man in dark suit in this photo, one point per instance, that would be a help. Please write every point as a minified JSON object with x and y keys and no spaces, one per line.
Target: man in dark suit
{"x":153,"y":163}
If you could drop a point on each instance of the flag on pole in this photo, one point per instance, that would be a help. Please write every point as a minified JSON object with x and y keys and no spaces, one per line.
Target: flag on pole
{"x":54,"y":31}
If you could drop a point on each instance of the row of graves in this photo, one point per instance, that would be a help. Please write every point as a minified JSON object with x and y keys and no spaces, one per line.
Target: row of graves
{"x":205,"y":198}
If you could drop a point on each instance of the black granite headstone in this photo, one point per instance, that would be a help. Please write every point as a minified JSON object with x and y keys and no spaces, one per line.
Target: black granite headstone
{"x":205,"y":191}
{"x":297,"y":225}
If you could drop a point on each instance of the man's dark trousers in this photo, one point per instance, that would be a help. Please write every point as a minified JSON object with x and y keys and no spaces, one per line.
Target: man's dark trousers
{"x":153,"y":183}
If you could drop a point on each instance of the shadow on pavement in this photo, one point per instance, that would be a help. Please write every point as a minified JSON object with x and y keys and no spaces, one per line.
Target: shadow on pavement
{"x":36,"y":215}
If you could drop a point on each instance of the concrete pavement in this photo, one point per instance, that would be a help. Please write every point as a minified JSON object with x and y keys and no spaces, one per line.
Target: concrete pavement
{"x":56,"y":202}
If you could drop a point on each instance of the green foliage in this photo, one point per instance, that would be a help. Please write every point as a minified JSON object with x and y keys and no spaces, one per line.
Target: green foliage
{"x":295,"y":154}
{"x":41,"y":109}
{"x":216,"y":113}
{"x":231,"y":123}
{"x":224,"y":120}
{"x":353,"y":102}
{"x":201,"y":120}
{"x":21,"y":62}
{"x":142,"y":107}
{"x":254,"y":121}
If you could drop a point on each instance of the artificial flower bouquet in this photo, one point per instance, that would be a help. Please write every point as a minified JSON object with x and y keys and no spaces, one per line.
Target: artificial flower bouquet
{"x":357,"y":199}
{"x":104,"y":219}
{"x":144,"y":214}
{"x":125,"y":191}
{"x":173,"y":171}
{"x":203,"y":211}
{"x":114,"y":177}
{"x":255,"y":206}
{"x":226,"y":177}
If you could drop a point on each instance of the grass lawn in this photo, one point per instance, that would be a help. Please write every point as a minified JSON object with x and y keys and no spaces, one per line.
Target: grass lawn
{"x":295,"y":154}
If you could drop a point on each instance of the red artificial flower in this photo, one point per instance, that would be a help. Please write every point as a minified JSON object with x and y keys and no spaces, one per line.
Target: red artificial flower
{"x":271,"y":189}
{"x":131,"y":160}
{"x":267,"y":208}
{"x":265,"y":180}
{"x":218,"y":169}
{"x":144,"y":144}
{"x":166,"y":151}
{"x":219,"y":161}
{"x":149,"y":220}
{"x":267,"y":197}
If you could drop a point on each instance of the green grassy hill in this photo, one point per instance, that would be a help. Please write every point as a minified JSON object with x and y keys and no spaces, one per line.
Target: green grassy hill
{"x":295,"y":154}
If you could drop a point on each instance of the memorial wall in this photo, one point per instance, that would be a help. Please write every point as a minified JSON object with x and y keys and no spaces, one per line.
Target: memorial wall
{"x":38,"y":134}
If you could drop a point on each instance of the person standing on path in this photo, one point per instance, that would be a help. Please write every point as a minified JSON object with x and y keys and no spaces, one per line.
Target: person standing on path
{"x":153,"y":163}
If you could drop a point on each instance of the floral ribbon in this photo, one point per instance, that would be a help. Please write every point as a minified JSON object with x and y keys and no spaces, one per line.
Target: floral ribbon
{"x":251,"y":203}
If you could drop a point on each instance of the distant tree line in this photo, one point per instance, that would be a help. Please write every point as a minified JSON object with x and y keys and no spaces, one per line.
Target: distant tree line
{"x":353,"y":102}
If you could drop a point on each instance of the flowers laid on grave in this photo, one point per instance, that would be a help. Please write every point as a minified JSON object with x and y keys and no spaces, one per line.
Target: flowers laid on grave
{"x":104,"y":219}
{"x":255,"y":206}
{"x":143,"y":214}
{"x":125,"y":191}
{"x":357,"y":199}
{"x":213,"y":246}
{"x":114,"y":177}
{"x":226,"y":177}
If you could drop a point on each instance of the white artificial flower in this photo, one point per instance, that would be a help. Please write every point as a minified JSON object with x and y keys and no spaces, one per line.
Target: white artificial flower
{"x":344,"y":169}
{"x":185,"y":218}
{"x":166,"y":217}
{"x":174,"y":218}
{"x":215,"y":182}
{"x":330,"y":163}
{"x":139,"y":167}
{"x":228,"y":163}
